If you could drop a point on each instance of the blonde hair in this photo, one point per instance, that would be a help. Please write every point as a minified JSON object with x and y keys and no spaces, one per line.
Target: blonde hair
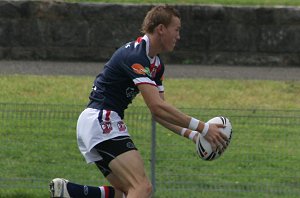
{"x":161,"y":14}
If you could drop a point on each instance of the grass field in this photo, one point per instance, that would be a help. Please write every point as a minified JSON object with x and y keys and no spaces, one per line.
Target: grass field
{"x":38,"y":141}
{"x":38,"y":137}
{"x":221,"y":2}
{"x":211,"y":93}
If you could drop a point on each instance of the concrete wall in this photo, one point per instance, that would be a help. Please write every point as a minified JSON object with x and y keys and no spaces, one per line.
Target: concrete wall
{"x":91,"y":32}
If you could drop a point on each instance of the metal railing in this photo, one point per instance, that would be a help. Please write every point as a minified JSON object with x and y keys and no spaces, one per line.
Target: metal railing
{"x":38,"y":143}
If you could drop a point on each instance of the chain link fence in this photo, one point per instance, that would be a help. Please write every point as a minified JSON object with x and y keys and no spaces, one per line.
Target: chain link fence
{"x":38,"y":143}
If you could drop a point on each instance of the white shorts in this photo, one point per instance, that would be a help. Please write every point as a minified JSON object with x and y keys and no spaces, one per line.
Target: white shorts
{"x":95,"y":126}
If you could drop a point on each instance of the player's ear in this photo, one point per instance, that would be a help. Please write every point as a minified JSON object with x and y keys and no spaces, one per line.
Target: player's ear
{"x":160,"y":28}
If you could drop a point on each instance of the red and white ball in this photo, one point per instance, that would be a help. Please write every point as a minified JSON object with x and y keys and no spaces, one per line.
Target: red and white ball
{"x":203,"y":147}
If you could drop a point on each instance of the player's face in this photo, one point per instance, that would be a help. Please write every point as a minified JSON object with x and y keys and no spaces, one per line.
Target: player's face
{"x":171,"y":34}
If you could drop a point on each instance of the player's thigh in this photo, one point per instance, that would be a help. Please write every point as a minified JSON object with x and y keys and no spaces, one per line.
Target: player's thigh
{"x":129,"y":169}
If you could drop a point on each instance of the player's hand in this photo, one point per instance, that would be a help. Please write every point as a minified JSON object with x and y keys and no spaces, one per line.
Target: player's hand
{"x":217,"y":139}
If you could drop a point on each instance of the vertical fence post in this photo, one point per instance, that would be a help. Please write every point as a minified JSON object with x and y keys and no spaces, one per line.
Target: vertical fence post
{"x":153,"y":151}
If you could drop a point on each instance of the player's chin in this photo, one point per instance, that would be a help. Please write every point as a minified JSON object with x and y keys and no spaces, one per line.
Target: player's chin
{"x":171,"y":48}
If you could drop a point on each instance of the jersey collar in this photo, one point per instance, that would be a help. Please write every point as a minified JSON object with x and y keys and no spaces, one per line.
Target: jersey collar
{"x":153,"y":59}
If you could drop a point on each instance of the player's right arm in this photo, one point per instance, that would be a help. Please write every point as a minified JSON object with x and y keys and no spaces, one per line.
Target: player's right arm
{"x":177,"y":129}
{"x":166,"y":112}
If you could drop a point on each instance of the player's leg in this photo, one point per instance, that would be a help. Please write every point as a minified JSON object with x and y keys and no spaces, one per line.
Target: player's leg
{"x":123,"y":166}
{"x":60,"y":187}
{"x":117,"y":184}
{"x":64,"y":189}
{"x":129,"y":172}
{"x":117,"y":156}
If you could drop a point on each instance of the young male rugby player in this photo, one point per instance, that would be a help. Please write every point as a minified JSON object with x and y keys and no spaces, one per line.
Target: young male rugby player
{"x":103,"y":137}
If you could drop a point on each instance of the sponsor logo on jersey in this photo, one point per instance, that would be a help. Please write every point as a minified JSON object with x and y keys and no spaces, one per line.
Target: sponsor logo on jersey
{"x":130,"y":145}
{"x":127,"y":45}
{"x":139,"y":69}
{"x":85,"y":190}
{"x":131,"y":93}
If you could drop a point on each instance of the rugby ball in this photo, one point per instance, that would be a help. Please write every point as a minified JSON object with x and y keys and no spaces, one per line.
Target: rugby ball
{"x":203,"y":147}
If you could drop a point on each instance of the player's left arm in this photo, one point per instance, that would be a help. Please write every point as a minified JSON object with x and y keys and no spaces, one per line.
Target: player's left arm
{"x":177,"y":129}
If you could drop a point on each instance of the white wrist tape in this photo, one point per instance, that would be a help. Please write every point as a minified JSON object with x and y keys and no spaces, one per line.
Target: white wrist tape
{"x":194,"y":124}
{"x":192,"y":135}
{"x":183,"y":131}
{"x":205,"y":129}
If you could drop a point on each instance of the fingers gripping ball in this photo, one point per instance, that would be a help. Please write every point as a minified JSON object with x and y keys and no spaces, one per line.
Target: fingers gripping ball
{"x":203,"y":147}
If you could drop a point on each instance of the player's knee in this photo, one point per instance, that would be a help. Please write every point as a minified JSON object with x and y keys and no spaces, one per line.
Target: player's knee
{"x":146,"y":188}
{"x":142,"y":189}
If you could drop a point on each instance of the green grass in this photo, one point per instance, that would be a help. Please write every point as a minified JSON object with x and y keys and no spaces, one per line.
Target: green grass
{"x":38,"y":140}
{"x":221,"y":2}
{"x":212,"y":93}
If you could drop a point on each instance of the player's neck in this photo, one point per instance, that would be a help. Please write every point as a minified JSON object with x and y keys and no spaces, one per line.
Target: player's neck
{"x":154,"y":45}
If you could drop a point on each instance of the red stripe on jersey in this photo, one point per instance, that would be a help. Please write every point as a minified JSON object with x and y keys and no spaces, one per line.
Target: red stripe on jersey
{"x":154,"y":68}
{"x":152,"y":65}
{"x":107,"y":115}
{"x":139,"y":39}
